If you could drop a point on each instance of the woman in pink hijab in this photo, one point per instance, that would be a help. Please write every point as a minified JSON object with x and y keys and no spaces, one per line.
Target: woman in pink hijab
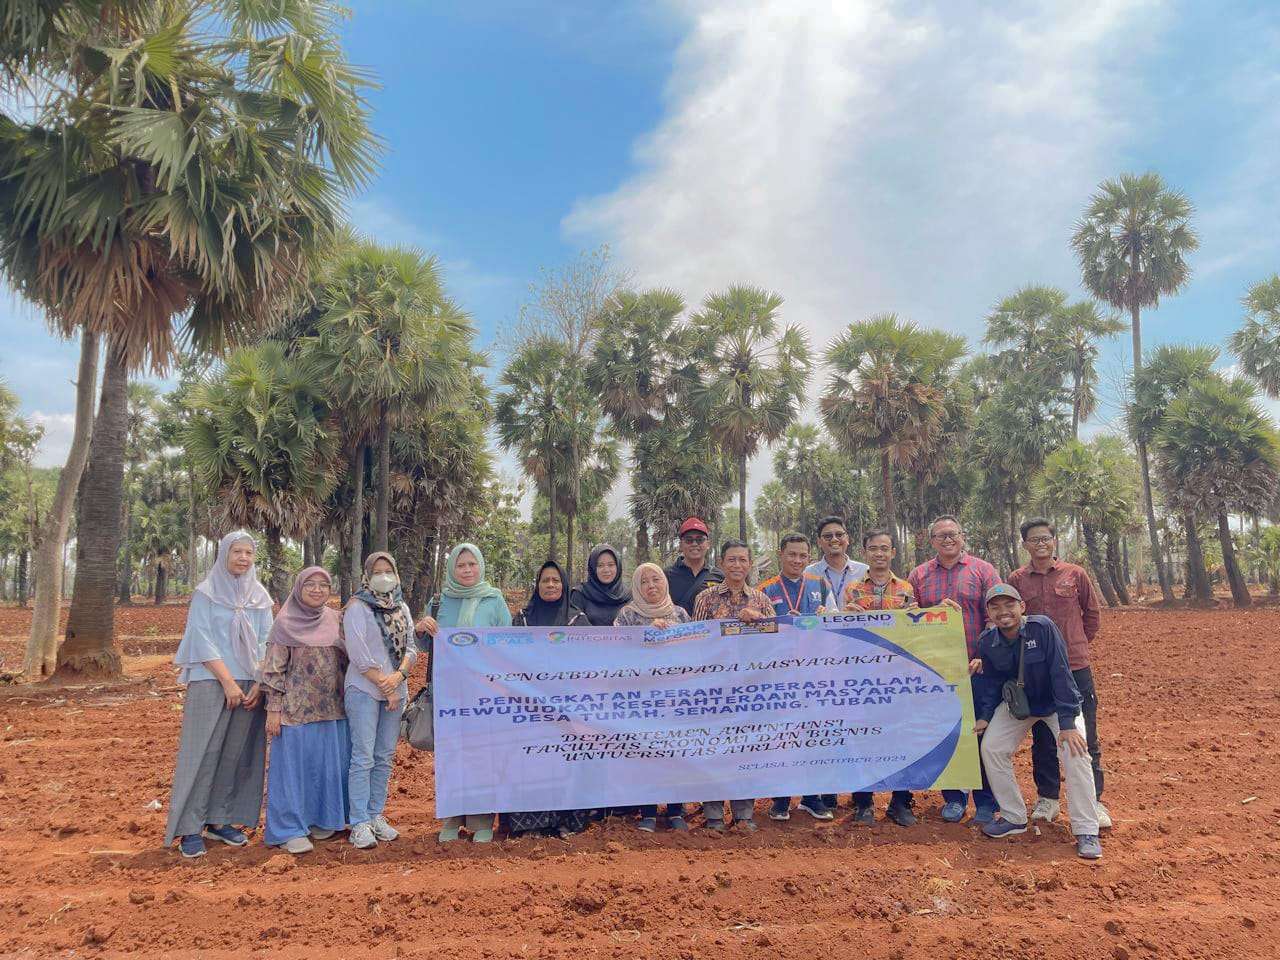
{"x":310,"y":747}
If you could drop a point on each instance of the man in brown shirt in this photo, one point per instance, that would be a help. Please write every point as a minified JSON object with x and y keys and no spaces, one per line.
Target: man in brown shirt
{"x":1065,"y":594}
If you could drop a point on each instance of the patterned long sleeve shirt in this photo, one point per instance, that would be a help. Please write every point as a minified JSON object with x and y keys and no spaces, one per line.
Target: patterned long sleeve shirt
{"x":722,"y":602}
{"x":895,"y":594}
{"x":966,"y":581}
{"x":304,"y":683}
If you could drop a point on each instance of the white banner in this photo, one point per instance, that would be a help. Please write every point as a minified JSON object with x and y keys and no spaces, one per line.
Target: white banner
{"x":586,"y":717}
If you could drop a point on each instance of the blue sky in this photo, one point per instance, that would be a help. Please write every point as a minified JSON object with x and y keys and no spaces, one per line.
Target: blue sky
{"x":857,"y":157}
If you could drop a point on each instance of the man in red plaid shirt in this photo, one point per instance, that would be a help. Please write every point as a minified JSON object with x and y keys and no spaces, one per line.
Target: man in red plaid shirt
{"x":956,"y":579}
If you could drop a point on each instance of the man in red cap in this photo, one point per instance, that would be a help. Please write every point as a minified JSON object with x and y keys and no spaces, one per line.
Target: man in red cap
{"x":691,"y":574}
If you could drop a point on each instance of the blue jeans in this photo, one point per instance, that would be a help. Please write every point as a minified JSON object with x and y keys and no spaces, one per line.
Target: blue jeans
{"x":374,"y":732}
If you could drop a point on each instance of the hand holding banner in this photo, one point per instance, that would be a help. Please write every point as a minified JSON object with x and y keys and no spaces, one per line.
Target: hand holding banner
{"x":576,"y":717}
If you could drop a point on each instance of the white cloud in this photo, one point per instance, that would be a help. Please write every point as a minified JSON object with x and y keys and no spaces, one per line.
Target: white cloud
{"x":875,"y":155}
{"x":56,"y":442}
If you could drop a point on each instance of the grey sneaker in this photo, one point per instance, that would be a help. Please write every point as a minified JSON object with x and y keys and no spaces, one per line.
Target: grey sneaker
{"x":383,"y":830}
{"x":1046,"y":809}
{"x":362,"y":837}
{"x":298,"y":845}
{"x":1104,"y":817}
{"x":1088,"y":847}
{"x":647,"y":824}
{"x":816,"y":809}
{"x":319,"y":834}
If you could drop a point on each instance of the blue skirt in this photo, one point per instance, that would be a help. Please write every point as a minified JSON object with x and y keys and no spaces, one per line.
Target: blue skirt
{"x":307,"y":780}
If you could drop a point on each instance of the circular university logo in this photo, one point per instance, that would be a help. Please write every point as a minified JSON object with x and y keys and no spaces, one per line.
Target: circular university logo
{"x":807,"y":623}
{"x":557,"y":636}
{"x":464,"y":639}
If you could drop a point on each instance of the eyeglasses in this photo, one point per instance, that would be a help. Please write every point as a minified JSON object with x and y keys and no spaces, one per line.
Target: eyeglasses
{"x":947,"y":537}
{"x":833,"y":536}
{"x":1036,"y":541}
{"x":316,"y":585}
{"x":693,"y":541}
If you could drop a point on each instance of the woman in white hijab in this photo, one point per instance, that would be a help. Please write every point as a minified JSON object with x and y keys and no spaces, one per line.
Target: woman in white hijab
{"x":222,"y":750}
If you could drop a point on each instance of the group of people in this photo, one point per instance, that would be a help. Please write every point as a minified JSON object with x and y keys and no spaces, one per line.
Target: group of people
{"x":328,"y":687}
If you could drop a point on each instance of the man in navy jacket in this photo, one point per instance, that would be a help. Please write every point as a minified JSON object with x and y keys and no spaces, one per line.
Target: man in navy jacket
{"x":1052,"y":696}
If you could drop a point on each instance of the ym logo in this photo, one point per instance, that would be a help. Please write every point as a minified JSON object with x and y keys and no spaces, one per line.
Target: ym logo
{"x":928,"y":616}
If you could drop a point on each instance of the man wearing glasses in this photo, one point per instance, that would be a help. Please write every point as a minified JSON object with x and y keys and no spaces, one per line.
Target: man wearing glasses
{"x":691,"y":574}
{"x":956,"y":579}
{"x":1064,"y":593}
{"x":839,"y":571}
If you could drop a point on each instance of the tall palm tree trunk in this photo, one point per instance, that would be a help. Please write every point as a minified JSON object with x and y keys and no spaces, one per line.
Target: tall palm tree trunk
{"x":742,"y":497}
{"x":890,"y":518}
{"x":193,"y":566}
{"x":1099,"y":568}
{"x":552,"y":532}
{"x":1117,"y":575}
{"x":1239,"y":589}
{"x":278,"y":573}
{"x":125,"y":596}
{"x":357,"y":517}
{"x":1201,"y":589}
{"x":162,"y":582}
{"x":89,"y":649}
{"x":42,"y":642}
{"x":1075,"y":405}
{"x":1162,"y":571}
{"x":382,"y":503}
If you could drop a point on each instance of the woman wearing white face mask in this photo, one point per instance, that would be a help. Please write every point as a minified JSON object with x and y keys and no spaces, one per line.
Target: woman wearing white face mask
{"x":468,"y":601}
{"x":378,"y":636}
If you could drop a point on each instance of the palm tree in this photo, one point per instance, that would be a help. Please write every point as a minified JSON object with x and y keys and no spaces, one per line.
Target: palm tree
{"x":390,"y":345}
{"x":642,"y":372}
{"x":1075,"y":332}
{"x":887,"y":393}
{"x":1257,"y":343}
{"x":1168,"y":375}
{"x":754,"y":373}
{"x":530,"y":417}
{"x":264,"y":448}
{"x":1024,"y":322}
{"x":1075,"y":478}
{"x":182,"y":167}
{"x":1132,"y":245}
{"x":797,"y":463}
{"x":1221,"y":453}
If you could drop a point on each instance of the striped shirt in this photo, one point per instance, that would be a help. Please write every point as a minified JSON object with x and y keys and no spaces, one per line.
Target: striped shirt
{"x":966,"y":581}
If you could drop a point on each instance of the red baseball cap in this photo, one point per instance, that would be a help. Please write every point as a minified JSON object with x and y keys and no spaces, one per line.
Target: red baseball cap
{"x":693,"y":523}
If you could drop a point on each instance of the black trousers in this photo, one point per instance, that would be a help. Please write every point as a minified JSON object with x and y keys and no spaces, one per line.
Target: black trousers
{"x":865,"y":799}
{"x":1044,"y":746}
{"x":651,"y":810}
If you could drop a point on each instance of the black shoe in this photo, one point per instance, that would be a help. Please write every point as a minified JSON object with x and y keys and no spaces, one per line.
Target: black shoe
{"x":901,"y":814}
{"x":864,"y":815}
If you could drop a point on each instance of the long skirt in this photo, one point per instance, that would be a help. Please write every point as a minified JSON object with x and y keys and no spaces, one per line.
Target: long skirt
{"x":307,"y":780}
{"x":221,"y":761}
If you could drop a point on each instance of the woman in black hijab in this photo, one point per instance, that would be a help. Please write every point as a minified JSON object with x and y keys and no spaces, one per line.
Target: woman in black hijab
{"x":604,"y":592}
{"x":549,"y":604}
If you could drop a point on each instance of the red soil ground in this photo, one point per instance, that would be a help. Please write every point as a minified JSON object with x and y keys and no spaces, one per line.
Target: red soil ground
{"x":1190,"y":708}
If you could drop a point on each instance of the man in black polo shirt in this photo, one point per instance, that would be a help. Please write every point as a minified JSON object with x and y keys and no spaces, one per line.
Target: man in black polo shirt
{"x":691,"y":574}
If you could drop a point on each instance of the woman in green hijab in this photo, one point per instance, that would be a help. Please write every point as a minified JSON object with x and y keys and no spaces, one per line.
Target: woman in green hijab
{"x":468,"y":600}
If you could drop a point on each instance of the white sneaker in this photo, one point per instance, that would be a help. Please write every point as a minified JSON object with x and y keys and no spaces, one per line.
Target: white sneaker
{"x":298,"y":845}
{"x":362,"y":837}
{"x":1104,"y":818}
{"x":383,"y":830}
{"x":318,"y":834}
{"x":1046,"y":809}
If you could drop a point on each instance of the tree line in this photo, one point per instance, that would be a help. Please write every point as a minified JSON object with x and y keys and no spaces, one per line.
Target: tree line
{"x":175,"y":199}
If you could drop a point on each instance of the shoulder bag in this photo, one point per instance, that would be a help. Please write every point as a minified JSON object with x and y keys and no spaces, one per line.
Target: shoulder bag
{"x":417,"y":724}
{"x":1014,"y":693}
